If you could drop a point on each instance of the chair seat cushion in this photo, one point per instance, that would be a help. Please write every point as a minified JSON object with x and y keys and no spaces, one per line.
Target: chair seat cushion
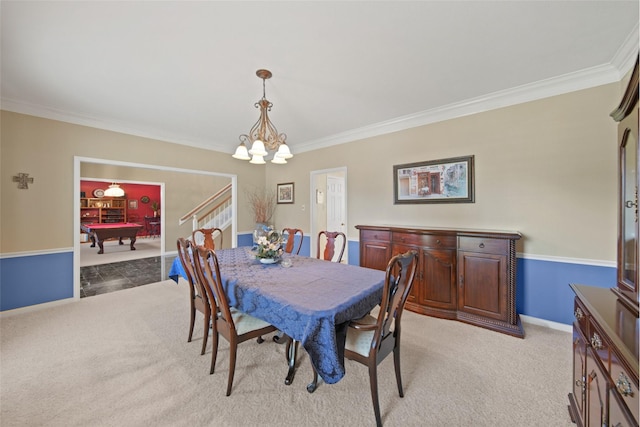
{"x":245,"y":323}
{"x":359,"y":341}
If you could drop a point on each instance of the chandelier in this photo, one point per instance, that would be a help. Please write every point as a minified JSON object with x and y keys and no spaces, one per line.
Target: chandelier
{"x":114,"y":190}
{"x":263,"y":135}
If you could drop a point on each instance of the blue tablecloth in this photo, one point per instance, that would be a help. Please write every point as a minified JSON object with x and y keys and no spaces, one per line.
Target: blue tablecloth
{"x":312,"y":301}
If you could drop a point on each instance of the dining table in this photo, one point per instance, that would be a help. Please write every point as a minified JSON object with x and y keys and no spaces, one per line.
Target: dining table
{"x":312,"y":301}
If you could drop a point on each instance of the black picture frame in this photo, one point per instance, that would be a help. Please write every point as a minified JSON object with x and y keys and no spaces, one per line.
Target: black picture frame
{"x":285,"y":193}
{"x":435,"y":181}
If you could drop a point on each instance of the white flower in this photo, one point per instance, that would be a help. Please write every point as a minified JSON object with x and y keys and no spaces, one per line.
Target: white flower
{"x":269,"y":246}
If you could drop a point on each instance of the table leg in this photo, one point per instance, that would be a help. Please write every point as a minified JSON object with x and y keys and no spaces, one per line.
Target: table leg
{"x":93,"y":240}
{"x":280,"y":337}
{"x":120,"y":242}
{"x":133,"y":240}
{"x":100,"y":244}
{"x":313,"y":385}
{"x":292,"y":350}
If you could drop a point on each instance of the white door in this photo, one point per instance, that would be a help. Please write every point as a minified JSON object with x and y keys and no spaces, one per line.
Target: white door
{"x":335,"y":204}
{"x":329,"y":209}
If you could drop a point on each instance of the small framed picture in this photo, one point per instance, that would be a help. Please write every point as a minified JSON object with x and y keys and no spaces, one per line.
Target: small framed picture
{"x":285,"y":193}
{"x":133,"y":204}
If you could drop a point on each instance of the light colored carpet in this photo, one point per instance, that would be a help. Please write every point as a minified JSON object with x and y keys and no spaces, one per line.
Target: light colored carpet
{"x":122,"y":359}
{"x":146,"y":247}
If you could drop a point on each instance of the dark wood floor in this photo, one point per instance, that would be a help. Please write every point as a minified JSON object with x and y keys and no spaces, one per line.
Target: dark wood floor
{"x":104,"y":278}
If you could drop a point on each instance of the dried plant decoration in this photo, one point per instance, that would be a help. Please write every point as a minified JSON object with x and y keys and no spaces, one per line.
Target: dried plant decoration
{"x":262,"y":203}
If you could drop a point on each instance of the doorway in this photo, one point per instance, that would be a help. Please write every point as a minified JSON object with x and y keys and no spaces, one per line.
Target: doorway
{"x":138,"y":172}
{"x":328,"y":205}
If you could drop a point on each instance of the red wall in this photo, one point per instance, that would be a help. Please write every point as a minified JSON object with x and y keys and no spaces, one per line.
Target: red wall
{"x":131,"y":192}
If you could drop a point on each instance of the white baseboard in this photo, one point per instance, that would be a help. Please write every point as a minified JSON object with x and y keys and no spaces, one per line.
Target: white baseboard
{"x":546,"y":323}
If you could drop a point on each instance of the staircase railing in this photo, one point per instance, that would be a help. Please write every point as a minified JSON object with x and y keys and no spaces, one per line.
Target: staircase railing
{"x":214,"y":211}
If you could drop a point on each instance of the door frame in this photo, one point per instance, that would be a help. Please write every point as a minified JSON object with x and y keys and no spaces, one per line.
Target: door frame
{"x":77,"y":162}
{"x":315,"y":228}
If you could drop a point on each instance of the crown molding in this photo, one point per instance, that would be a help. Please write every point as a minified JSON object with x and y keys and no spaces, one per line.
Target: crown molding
{"x":99,"y":123}
{"x":621,"y":63}
{"x":584,"y":79}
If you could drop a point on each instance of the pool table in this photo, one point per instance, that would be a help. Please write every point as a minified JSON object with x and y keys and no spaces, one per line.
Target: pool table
{"x":100,"y":232}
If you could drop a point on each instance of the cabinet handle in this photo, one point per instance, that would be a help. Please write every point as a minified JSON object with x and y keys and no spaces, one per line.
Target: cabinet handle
{"x":596,"y":341}
{"x":461,"y":280}
{"x":438,"y":242}
{"x":578,"y":314}
{"x":624,"y":385}
{"x":481,"y":245}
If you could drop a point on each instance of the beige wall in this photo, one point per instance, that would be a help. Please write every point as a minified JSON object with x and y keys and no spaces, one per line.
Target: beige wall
{"x":41,"y":218}
{"x":545,"y":168}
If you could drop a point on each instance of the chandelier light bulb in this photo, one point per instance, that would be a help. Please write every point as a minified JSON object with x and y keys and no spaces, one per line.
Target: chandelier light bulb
{"x":279,"y":160}
{"x":257,"y":160}
{"x":257,"y":149}
{"x":284,"y":152}
{"x":241,"y":153}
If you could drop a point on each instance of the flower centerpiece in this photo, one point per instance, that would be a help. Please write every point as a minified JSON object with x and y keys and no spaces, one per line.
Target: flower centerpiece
{"x":269,"y":246}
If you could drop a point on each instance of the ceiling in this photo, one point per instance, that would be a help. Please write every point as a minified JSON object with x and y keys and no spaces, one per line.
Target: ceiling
{"x":184,"y":72}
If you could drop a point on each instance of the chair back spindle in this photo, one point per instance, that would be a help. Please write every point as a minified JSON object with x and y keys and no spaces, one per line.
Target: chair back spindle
{"x":206,"y":236}
{"x":330,"y":245}
{"x":291,"y":240}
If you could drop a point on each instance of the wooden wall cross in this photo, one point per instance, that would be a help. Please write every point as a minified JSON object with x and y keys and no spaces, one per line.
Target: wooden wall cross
{"x":23,"y":180}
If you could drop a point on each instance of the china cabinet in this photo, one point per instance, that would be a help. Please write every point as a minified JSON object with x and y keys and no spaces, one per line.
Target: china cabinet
{"x":605,"y":327}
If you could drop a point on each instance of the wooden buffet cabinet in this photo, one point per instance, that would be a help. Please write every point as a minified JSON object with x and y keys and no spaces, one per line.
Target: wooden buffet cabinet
{"x":467,"y":275}
{"x":605,"y":327}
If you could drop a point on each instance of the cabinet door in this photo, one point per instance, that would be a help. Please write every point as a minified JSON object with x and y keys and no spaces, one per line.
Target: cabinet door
{"x":375,"y":254}
{"x":482,"y":284}
{"x":415,"y":295}
{"x":596,"y":392}
{"x":438,"y":273}
{"x":619,"y":415}
{"x":579,"y":395}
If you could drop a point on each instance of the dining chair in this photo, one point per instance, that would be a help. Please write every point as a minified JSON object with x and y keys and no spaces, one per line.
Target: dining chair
{"x":197,"y":295}
{"x":235,"y":326}
{"x":372,"y":338}
{"x":330,"y":245}
{"x":292,"y":233}
{"x":205,"y":237}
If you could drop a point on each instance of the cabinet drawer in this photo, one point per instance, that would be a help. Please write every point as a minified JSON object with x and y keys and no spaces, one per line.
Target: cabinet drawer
{"x":483,"y":244}
{"x":426,"y":240}
{"x":580,"y":314}
{"x":380,"y":235}
{"x":625,"y":387}
{"x":596,"y":339}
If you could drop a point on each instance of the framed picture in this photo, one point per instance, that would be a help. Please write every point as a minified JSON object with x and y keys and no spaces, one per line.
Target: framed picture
{"x":435,"y":181}
{"x":285,"y":192}
{"x":133,"y":204}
